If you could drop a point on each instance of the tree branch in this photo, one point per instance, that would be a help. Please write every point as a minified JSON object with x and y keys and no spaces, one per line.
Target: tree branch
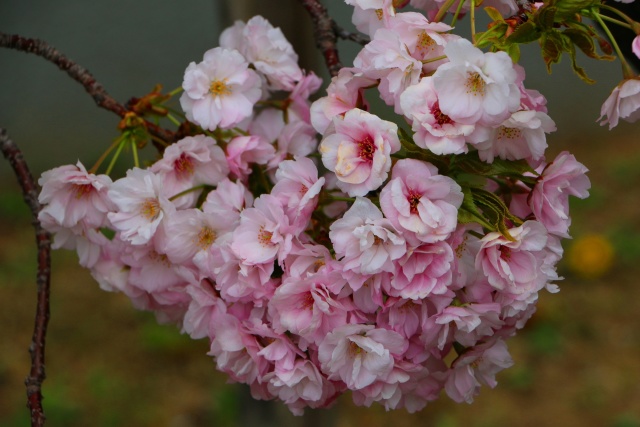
{"x":346,"y":35}
{"x":325,"y":34}
{"x":79,"y":74}
{"x":43,"y":239}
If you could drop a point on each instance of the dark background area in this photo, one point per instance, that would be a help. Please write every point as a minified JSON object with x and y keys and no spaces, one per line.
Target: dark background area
{"x":577,"y":361}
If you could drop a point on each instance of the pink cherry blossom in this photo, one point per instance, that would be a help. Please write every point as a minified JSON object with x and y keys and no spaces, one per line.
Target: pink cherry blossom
{"x":370,"y":15}
{"x":267,"y":49}
{"x":345,"y":92}
{"x":635,"y":46}
{"x":358,"y":149}
{"x":623,"y":103}
{"x":433,"y":129}
{"x":515,"y":266}
{"x":73,"y":196}
{"x":359,"y":355}
{"x":475,"y":86}
{"x":141,"y":205}
{"x":521,"y":136}
{"x":192,"y":161}
{"x":221,"y":90}
{"x":242,"y":151}
{"x":366,"y":242}
{"x":549,"y":200}
{"x":421,"y":202}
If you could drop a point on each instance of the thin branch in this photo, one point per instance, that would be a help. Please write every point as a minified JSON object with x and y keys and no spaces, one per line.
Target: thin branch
{"x":79,"y":74}
{"x":346,"y":35}
{"x":30,"y":192}
{"x":324,"y":33}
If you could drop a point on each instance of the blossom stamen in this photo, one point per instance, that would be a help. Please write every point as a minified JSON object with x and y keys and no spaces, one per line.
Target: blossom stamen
{"x":183,"y":166}
{"x":264,"y":237}
{"x":367,"y":148}
{"x":509,"y":133}
{"x":475,"y":84}
{"x":82,"y":190}
{"x":206,"y":237}
{"x":150,"y":209}
{"x":219,"y":88}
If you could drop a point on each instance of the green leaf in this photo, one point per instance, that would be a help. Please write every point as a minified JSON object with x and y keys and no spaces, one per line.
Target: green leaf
{"x":583,"y":38}
{"x":494,"y":14}
{"x":495,"y":210}
{"x":471,"y":163}
{"x":576,"y":68}
{"x":545,"y":17}
{"x":469,"y":212}
{"x":525,"y":33}
{"x":551,"y":48}
{"x":567,"y":9}
{"x":513,"y":50}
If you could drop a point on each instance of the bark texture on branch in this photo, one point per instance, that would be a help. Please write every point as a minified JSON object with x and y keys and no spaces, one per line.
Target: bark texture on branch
{"x":325,"y":34}
{"x":43,"y":239}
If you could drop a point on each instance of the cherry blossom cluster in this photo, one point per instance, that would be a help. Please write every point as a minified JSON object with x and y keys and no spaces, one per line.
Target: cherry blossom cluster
{"x":389,"y":259}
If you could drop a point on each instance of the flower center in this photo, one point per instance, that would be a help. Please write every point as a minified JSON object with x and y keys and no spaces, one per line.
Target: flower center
{"x":505,"y":253}
{"x":425,"y":42}
{"x":264,"y":237}
{"x":81,"y":190}
{"x":414,"y":200}
{"x":461,"y":247}
{"x":379,"y":14}
{"x":219,"y":88}
{"x":354,"y":349}
{"x":308,"y":301}
{"x":183,"y":166}
{"x":441,"y":118}
{"x":206,"y":237}
{"x":367,"y":148}
{"x":150,"y":209}
{"x":509,"y":133}
{"x":475,"y":84}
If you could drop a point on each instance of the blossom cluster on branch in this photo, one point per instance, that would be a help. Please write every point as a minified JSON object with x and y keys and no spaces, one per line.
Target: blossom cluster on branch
{"x":322,"y":249}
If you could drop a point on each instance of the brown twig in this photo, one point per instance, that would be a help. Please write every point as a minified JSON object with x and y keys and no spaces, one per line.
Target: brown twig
{"x":346,"y":35}
{"x":325,"y":34}
{"x":30,"y":192}
{"x":79,"y":74}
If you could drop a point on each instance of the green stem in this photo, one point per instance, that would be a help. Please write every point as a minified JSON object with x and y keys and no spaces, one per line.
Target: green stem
{"x":443,"y":10}
{"x":626,"y":18}
{"x":627,"y":72}
{"x":116,"y":155}
{"x":104,"y":155}
{"x":473,"y":21}
{"x":175,"y":91}
{"x":173,"y":119}
{"x":615,"y":21}
{"x":437,"y":58}
{"x":458,"y":9}
{"x":189,"y":190}
{"x":134,"y":149}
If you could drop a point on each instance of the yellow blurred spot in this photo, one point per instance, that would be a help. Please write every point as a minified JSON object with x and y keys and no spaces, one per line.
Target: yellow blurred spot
{"x":591,"y":256}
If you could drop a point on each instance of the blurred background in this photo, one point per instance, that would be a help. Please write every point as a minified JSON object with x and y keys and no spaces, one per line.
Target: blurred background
{"x":577,"y":362}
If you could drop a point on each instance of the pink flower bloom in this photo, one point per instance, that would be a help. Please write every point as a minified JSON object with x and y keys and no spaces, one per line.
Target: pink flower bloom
{"x":370,"y":15}
{"x":476,"y":366}
{"x":141,"y":205}
{"x":386,"y":58}
{"x":623,"y":103}
{"x":263,"y":233}
{"x":635,"y":46}
{"x":421,"y":202}
{"x":515,"y":266}
{"x":423,"y":271}
{"x":475,"y":86}
{"x":472,"y":321}
{"x":521,"y":136}
{"x":307,"y":307}
{"x":72,"y":196}
{"x":358,"y":149}
{"x":549,"y":199}
{"x":267,"y":49}
{"x":297,"y":187}
{"x":367,"y":241}
{"x":221,"y":90}
{"x":423,"y":39}
{"x":204,"y":306}
{"x":301,"y":386}
{"x":359,"y":355}
{"x":433,"y":129}
{"x":244,"y":150}
{"x":226,"y":203}
{"x":192,"y":161}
